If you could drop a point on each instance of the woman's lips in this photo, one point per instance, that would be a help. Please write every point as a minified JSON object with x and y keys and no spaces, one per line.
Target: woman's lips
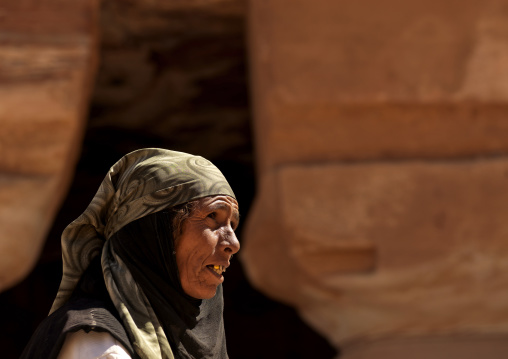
{"x":217,"y":270}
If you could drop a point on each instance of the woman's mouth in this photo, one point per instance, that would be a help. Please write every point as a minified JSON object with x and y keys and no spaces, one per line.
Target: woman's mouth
{"x":217,"y":269}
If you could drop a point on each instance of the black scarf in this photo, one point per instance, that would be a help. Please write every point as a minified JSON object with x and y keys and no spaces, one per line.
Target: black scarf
{"x":193,"y":327}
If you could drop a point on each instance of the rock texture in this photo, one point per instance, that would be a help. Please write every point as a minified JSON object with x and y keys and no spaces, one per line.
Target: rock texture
{"x":409,"y":247}
{"x":365,"y":80}
{"x":47,"y":62}
{"x":382,"y":145}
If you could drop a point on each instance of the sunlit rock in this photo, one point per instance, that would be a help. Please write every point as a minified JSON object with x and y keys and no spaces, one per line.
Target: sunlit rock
{"x":47,"y":65}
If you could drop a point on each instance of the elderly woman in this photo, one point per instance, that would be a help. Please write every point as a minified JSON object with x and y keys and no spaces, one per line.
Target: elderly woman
{"x":143,"y":265}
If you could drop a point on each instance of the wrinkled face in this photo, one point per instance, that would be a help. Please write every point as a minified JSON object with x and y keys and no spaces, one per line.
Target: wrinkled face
{"x":206,"y":244}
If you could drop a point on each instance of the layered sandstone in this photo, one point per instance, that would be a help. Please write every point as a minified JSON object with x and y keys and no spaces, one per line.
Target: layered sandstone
{"x":382,"y":146}
{"x":47,"y":62}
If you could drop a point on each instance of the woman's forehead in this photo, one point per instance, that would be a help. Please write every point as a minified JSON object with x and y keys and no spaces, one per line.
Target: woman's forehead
{"x":211,"y":200}
{"x":218,"y":202}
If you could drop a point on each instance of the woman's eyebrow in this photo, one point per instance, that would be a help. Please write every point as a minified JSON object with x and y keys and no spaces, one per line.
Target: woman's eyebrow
{"x":225,"y":207}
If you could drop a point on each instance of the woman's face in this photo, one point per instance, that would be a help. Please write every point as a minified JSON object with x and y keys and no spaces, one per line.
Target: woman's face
{"x":206,"y":244}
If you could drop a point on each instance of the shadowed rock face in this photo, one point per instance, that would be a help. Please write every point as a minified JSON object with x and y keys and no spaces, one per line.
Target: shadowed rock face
{"x":176,"y":72}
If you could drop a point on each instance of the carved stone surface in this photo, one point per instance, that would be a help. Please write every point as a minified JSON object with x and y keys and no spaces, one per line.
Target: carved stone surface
{"x":395,"y":79}
{"x":47,"y":58}
{"x":425,"y":239}
{"x":381,"y":137}
{"x":377,"y":251}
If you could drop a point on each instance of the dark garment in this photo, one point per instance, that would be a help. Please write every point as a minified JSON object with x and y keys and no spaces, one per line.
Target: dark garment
{"x":89,"y":309}
{"x":193,"y":327}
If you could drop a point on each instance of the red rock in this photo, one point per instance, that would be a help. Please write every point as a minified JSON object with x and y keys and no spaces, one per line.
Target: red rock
{"x":47,"y":64}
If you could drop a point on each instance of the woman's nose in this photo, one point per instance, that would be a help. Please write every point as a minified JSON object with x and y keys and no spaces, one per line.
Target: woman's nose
{"x":230,"y":241}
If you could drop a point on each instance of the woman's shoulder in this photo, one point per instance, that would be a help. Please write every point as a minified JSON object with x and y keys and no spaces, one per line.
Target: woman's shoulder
{"x":100,"y":345}
{"x":85,"y":314}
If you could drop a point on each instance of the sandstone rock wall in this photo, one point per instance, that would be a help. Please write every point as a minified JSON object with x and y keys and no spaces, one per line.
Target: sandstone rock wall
{"x":47,"y":62}
{"x":382,"y":140}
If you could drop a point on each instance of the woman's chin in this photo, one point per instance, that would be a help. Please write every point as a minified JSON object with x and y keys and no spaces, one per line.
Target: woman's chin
{"x":202,"y":293}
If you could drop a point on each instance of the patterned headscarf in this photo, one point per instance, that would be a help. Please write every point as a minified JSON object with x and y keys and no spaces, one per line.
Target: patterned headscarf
{"x":141,"y":183}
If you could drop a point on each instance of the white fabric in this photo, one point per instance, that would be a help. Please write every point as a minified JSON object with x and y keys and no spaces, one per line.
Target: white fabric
{"x":92,"y":345}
